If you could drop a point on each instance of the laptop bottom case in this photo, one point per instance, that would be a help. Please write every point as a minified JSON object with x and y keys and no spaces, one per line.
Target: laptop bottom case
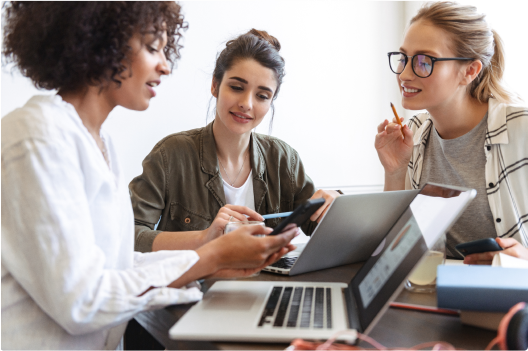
{"x":280,"y":311}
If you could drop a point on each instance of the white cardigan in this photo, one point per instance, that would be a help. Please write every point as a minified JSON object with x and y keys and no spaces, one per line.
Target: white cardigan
{"x":506,"y":168}
{"x":70,"y":276}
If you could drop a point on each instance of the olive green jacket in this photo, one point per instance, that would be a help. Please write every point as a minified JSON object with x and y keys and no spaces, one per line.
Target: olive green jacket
{"x":182,"y":184}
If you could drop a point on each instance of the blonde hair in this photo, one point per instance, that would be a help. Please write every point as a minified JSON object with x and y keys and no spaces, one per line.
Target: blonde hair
{"x":472,"y":37}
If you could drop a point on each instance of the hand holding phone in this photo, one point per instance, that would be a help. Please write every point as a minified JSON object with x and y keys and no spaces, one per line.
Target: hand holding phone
{"x":478,"y":246}
{"x":300,"y":215}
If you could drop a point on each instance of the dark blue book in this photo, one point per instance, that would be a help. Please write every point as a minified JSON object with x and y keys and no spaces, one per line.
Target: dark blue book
{"x":481,"y":288}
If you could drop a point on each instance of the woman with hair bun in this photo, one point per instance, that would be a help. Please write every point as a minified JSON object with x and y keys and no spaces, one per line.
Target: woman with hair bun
{"x":451,"y":64}
{"x":193,"y":182}
{"x":70,"y":276}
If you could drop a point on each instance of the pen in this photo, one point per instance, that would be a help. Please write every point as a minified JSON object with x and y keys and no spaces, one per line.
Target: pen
{"x":408,"y":306}
{"x":277,"y":215}
{"x":397,"y":118}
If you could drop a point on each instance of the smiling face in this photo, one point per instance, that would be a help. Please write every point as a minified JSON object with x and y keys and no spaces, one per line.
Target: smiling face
{"x":447,"y":81}
{"x":148,"y":64}
{"x":244,"y":96}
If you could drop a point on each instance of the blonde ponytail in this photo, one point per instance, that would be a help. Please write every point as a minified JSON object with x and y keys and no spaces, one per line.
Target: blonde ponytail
{"x":472,"y":37}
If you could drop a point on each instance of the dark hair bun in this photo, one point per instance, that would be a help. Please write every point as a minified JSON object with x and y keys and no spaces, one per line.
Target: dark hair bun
{"x":262,"y":34}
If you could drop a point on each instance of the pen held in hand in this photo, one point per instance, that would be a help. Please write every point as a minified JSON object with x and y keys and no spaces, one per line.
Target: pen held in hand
{"x":397,"y":118}
{"x":277,"y":215}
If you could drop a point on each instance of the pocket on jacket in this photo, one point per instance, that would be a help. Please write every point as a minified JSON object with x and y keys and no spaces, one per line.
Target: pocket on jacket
{"x":187,"y":218}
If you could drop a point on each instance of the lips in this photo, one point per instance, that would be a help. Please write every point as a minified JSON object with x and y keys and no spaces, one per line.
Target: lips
{"x":241,"y":117}
{"x":151,"y":85}
{"x":410,"y":91}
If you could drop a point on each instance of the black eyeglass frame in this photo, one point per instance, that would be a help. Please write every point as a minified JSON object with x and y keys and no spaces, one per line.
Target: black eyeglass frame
{"x":433,"y":60}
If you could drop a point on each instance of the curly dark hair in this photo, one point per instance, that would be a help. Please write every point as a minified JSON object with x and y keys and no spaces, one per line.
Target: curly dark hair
{"x":70,"y":45}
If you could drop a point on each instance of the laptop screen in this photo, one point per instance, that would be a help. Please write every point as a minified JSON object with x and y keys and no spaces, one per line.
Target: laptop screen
{"x":428,"y":216}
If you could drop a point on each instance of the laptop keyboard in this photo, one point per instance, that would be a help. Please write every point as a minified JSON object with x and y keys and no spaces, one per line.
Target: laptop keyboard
{"x":285,"y":262}
{"x":302,"y":307}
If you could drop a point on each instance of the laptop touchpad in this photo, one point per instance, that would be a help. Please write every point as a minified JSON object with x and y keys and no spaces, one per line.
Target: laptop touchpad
{"x":229,"y":300}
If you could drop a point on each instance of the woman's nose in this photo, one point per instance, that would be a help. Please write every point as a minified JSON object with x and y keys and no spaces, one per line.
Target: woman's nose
{"x":407,"y":73}
{"x":163,"y":65}
{"x":246,"y":102}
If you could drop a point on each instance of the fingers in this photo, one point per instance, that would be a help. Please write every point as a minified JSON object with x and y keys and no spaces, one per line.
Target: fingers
{"x":506,"y":243}
{"x":480,"y":258}
{"x":408,"y":139}
{"x":243,"y":210}
{"x":394,"y":120}
{"x":275,"y":242}
{"x":329,"y":196}
{"x":381,"y":127}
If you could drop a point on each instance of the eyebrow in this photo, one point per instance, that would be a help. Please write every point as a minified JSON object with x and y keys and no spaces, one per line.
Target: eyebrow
{"x":422,"y":52}
{"x":242,"y":80}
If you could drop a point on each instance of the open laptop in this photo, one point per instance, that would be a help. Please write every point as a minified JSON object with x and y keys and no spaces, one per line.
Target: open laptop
{"x":280,"y":311}
{"x":357,"y":222}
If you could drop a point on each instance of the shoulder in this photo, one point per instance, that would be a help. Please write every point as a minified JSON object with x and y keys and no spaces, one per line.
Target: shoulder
{"x":180,"y":142}
{"x":273,"y":146}
{"x":46,"y":119}
{"x":516,"y":123}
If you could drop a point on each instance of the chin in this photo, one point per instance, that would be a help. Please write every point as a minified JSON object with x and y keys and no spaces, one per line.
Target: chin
{"x":411,"y":105}
{"x":141,"y":106}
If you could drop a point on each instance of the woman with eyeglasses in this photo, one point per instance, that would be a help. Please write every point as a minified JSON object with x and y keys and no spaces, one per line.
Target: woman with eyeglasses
{"x":70,"y":276}
{"x":451,"y":64}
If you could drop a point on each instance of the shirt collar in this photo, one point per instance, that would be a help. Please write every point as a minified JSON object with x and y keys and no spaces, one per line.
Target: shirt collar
{"x":497,"y":132}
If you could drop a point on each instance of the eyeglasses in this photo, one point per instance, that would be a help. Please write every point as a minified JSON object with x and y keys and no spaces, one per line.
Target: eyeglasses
{"x":422,"y":65}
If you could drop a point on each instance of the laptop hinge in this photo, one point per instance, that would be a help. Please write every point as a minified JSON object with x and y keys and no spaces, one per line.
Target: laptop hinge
{"x":352,"y":311}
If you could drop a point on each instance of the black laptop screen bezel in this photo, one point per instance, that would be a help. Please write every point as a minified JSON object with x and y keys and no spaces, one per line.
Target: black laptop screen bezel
{"x":366,"y":315}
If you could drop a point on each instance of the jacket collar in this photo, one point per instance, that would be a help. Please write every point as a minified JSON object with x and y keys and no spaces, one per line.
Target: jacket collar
{"x":208,"y":159}
{"x":497,"y":132}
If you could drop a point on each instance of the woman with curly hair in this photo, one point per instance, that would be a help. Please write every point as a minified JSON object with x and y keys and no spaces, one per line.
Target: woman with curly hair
{"x":70,"y":276}
{"x":451,"y":64}
{"x":194,"y":182}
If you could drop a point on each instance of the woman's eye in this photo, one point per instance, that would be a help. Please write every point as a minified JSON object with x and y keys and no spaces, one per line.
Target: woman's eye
{"x":234,"y":87}
{"x":263,"y":97}
{"x":151,"y":49}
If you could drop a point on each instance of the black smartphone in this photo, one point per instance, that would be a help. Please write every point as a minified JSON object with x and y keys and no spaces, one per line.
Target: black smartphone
{"x":300,"y":215}
{"x":478,"y":246}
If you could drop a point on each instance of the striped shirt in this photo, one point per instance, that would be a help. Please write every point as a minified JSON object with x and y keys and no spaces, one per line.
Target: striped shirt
{"x":506,"y":165}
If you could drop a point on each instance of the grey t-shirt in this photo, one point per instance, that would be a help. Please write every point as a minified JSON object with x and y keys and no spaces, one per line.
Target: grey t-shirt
{"x":461,"y":162}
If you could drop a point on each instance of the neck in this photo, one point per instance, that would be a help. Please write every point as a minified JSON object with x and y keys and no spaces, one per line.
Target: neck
{"x":457,"y":117}
{"x":92,"y":107}
{"x":230,"y":147}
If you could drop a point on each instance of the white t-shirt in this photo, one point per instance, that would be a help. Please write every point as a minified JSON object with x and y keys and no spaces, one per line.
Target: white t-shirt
{"x":242,"y":196}
{"x":70,"y":276}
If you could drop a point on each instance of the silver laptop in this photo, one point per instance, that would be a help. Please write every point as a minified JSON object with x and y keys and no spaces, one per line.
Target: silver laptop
{"x":357,"y":222}
{"x":282,"y":311}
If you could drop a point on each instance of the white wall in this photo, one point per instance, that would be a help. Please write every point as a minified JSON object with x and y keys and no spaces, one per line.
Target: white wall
{"x":336,"y":91}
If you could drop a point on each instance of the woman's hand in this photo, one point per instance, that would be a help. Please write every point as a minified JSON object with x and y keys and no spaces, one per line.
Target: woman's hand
{"x":239,"y":253}
{"x":245,"y":272}
{"x":510,"y":247}
{"x":394,"y":152}
{"x":329,"y":196}
{"x":219,"y":223}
